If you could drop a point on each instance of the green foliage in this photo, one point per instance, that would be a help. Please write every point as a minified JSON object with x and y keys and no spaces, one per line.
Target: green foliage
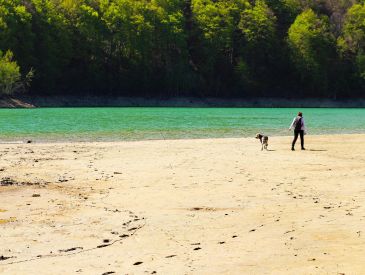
{"x":146,"y":42}
{"x":352,"y":39}
{"x":9,"y":74}
{"x":312,"y":46}
{"x":16,"y":31}
{"x":258,"y":24}
{"x":192,"y":47}
{"x":52,"y":46}
{"x":351,"y":43}
{"x":285,"y":11}
{"x":218,"y":19}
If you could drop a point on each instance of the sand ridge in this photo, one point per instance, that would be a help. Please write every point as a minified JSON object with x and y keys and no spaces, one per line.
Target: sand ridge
{"x":215,"y":206}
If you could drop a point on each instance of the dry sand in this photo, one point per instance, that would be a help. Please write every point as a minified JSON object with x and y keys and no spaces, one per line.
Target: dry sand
{"x":217,"y":206}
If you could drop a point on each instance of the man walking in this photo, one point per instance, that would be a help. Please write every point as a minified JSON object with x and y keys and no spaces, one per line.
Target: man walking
{"x":299,"y":129}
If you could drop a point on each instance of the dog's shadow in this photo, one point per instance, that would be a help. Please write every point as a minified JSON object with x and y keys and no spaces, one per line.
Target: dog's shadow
{"x":270,"y":150}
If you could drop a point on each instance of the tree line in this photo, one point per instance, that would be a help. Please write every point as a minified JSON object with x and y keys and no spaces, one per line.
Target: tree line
{"x":171,"y":48}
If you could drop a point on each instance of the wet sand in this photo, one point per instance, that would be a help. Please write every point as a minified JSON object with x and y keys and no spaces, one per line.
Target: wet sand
{"x":216,"y":206}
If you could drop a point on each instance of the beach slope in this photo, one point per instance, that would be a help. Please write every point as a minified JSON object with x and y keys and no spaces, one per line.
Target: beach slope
{"x":214,"y":206}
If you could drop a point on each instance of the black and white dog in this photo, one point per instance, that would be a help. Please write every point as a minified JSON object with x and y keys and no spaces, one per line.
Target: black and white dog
{"x":264,"y":141}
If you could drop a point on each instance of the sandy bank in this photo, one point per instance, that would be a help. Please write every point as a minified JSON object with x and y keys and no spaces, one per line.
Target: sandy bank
{"x":217,"y":206}
{"x":93,"y":101}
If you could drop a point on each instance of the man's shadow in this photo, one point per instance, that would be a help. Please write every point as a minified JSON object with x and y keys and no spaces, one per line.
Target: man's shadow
{"x":312,"y":150}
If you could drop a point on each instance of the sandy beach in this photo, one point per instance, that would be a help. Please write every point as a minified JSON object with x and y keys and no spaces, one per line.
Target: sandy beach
{"x":214,"y":206}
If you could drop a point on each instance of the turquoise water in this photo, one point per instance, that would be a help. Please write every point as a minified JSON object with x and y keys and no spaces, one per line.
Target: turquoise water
{"x":111,"y":124}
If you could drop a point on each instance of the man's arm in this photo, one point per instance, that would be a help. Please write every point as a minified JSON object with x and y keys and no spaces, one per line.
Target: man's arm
{"x":292,"y":124}
{"x":303,"y":126}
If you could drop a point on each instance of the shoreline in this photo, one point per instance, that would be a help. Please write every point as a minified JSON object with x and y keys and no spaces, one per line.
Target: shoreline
{"x":97,"y":101}
{"x":77,"y":142}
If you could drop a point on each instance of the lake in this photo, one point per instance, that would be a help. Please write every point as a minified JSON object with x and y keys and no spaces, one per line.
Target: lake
{"x":117,"y":124}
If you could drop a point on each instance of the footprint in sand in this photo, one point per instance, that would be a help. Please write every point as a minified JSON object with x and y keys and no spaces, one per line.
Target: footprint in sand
{"x":72,"y":231}
{"x":4,"y":258}
{"x":70,"y":249}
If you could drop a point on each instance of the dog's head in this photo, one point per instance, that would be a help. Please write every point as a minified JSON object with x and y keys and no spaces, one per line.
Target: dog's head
{"x":258,"y":135}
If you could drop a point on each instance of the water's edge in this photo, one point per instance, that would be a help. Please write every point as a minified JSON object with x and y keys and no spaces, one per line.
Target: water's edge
{"x":30,"y":142}
{"x":94,"y":101}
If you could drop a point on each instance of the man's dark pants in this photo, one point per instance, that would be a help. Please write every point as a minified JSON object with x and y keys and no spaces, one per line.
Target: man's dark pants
{"x":296,"y":134}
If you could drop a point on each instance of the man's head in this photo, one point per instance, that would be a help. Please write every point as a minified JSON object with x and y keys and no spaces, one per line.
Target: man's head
{"x":300,"y":114}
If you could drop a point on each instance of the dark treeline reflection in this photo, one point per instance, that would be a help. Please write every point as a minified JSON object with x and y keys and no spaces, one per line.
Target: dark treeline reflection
{"x":165,"y":48}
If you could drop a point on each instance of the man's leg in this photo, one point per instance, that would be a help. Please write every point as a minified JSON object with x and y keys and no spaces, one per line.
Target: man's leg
{"x":295,"y":139}
{"x":302,"y":138}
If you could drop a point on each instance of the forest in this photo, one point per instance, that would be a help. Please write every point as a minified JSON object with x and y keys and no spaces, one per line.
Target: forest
{"x":177,"y":48}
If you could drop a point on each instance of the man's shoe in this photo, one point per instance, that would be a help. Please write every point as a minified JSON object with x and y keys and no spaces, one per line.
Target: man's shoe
{"x":292,"y":149}
{"x":303,"y":148}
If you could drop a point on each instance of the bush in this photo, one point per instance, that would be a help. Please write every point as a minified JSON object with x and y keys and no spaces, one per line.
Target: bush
{"x":10,"y":76}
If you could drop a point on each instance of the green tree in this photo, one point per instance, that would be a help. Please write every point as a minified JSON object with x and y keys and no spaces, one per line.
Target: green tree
{"x":260,"y":44}
{"x":191,"y":47}
{"x":10,"y":77}
{"x":87,"y":34}
{"x":258,"y":25}
{"x":52,"y":46}
{"x":285,"y":11}
{"x":351,"y":43}
{"x":218,"y":23}
{"x":146,"y":45}
{"x":16,"y":31}
{"x":312,"y":49}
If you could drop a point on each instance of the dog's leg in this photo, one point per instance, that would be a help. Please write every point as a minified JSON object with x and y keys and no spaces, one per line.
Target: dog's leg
{"x":262,"y":147}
